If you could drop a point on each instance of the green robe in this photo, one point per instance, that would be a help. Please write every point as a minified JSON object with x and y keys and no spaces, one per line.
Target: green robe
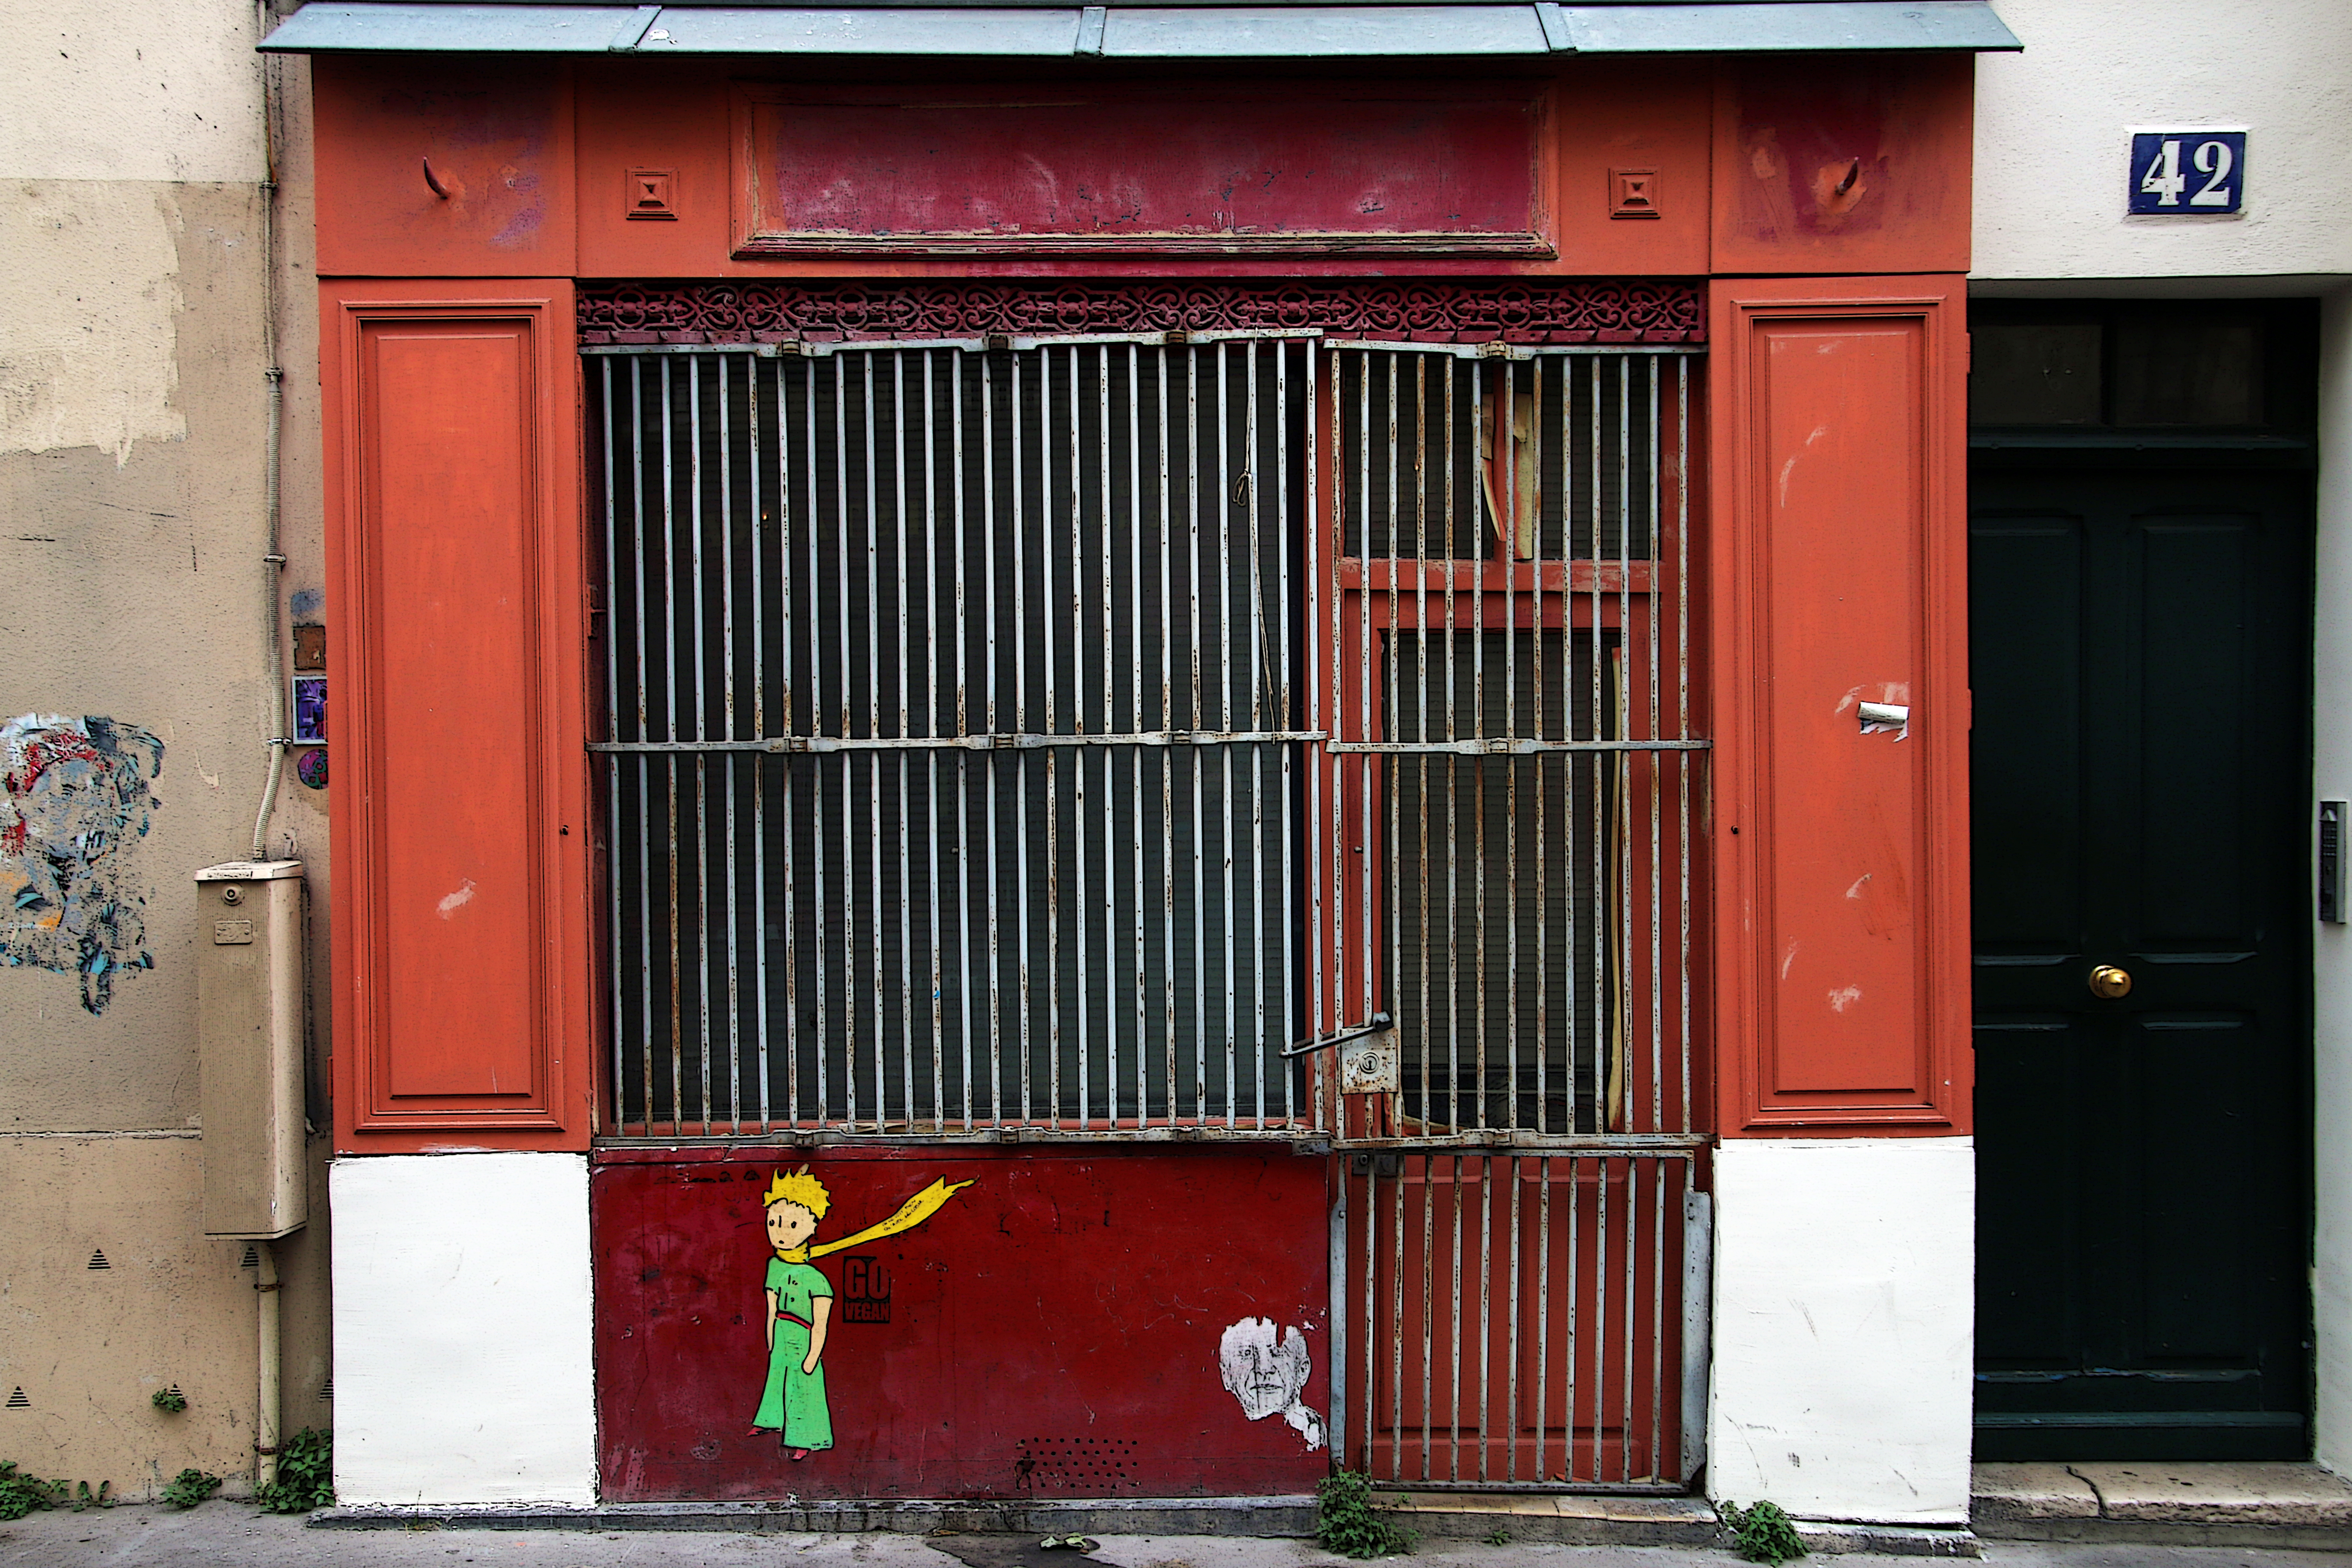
{"x":793,"y":1400}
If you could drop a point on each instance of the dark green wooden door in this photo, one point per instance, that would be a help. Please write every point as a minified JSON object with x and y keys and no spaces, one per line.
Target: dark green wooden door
{"x":2139,"y":649}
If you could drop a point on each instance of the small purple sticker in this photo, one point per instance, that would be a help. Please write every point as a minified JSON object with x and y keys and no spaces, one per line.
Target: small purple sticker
{"x":311,"y":767}
{"x":310,"y":709}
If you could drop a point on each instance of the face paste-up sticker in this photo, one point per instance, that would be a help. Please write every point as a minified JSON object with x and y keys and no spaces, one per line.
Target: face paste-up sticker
{"x":1266,"y":1369}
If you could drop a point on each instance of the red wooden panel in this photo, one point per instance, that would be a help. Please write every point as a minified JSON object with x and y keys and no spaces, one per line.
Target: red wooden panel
{"x":1857,"y":164}
{"x":1053,"y":1330}
{"x":461,"y":952}
{"x":1644,"y":116}
{"x":673,"y":116}
{"x":498,"y":137}
{"x":1842,"y":909}
{"x":1219,"y":170}
{"x":450,"y":508}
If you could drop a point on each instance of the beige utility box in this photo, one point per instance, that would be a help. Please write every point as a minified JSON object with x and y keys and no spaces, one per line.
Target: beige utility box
{"x":249,"y":1030}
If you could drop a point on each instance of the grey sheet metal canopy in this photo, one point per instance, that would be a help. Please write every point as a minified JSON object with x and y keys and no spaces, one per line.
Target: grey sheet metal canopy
{"x":1215,"y":30}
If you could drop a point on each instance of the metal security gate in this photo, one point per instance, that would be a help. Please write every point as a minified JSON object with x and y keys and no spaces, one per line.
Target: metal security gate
{"x":1511,"y":778}
{"x":1065,"y":734}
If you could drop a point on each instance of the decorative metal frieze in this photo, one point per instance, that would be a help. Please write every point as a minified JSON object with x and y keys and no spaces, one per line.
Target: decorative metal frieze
{"x":1579,"y":310}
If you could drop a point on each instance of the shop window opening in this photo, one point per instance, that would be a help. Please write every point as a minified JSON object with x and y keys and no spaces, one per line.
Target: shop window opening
{"x":1050,"y":733}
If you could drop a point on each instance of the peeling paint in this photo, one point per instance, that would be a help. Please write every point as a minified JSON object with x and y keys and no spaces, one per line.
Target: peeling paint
{"x":81,"y":366}
{"x":73,"y":797}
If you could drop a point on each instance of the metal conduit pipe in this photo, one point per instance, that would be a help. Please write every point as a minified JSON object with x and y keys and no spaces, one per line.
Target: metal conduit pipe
{"x":265,"y":1423}
{"x":267,"y":1349}
{"x":272,"y":561}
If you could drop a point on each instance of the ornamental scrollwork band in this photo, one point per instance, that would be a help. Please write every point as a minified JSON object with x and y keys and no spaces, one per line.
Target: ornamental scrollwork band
{"x":1575,"y":311}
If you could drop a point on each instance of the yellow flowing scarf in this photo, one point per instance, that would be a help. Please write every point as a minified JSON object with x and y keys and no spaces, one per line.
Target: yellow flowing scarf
{"x":911,"y":1212}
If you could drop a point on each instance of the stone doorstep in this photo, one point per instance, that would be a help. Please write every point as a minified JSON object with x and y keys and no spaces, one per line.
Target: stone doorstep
{"x":1628,"y":1509}
{"x":1822,"y":1539}
{"x":2190,"y":1504}
{"x":1625,"y":1521}
{"x":1557,"y":1518}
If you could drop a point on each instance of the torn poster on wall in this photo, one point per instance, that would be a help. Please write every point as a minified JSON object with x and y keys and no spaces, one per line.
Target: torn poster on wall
{"x":73,"y":799}
{"x":1266,"y":1369}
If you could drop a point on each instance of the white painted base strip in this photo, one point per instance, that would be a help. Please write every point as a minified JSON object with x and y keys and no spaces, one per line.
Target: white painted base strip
{"x":1843,"y":1327}
{"x":464,"y":1359}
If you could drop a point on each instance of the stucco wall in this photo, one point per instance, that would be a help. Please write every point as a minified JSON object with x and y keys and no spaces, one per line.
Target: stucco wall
{"x":88,"y":1345}
{"x":1844,"y":1276}
{"x":166,"y":91}
{"x":133,"y":302}
{"x":463,"y":1361}
{"x":2053,"y":123}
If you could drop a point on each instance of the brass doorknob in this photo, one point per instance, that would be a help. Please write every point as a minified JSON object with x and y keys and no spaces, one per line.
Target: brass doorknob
{"x":2108,"y":983}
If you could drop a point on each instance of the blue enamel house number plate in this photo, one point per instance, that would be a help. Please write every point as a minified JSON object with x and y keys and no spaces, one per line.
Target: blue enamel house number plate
{"x":2183,"y":173}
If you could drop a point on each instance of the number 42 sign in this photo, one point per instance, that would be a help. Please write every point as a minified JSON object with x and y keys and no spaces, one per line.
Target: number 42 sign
{"x":2183,"y":173}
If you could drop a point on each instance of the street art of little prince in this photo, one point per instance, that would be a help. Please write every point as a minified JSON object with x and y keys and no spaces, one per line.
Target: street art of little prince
{"x":800,"y":1303}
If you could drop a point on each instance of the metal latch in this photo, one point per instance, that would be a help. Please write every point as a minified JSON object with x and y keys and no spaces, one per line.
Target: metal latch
{"x":1370,"y":1062}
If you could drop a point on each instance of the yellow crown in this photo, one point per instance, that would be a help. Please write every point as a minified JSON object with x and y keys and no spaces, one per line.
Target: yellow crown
{"x":800,"y":1188}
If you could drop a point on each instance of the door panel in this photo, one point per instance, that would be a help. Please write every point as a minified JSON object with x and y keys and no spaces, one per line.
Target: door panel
{"x":2029,"y":654}
{"x":2139,"y":642}
{"x":2029,"y":1309}
{"x":2195,"y":673}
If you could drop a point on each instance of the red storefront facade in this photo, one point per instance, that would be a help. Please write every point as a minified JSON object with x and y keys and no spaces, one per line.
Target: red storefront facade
{"x":1710,"y":303}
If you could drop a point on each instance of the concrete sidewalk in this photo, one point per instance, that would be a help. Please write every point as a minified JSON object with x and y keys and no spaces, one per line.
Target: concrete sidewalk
{"x":233,"y":1533}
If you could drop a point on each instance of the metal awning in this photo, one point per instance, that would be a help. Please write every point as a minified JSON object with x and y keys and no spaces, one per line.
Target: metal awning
{"x":1214,"y":30}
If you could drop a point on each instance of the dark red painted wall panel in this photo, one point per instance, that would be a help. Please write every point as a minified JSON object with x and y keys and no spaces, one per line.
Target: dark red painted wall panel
{"x":1051,"y":1331}
{"x":1390,"y":170}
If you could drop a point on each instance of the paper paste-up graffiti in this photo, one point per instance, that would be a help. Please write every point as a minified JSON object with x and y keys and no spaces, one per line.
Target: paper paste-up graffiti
{"x":73,"y":798}
{"x":800,"y":1303}
{"x":1266,"y":1370}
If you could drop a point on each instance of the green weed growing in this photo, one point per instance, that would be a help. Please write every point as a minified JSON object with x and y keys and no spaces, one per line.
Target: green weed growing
{"x":306,"y":1474}
{"x":1760,"y":1532}
{"x":1347,"y":1522}
{"x":20,"y":1494}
